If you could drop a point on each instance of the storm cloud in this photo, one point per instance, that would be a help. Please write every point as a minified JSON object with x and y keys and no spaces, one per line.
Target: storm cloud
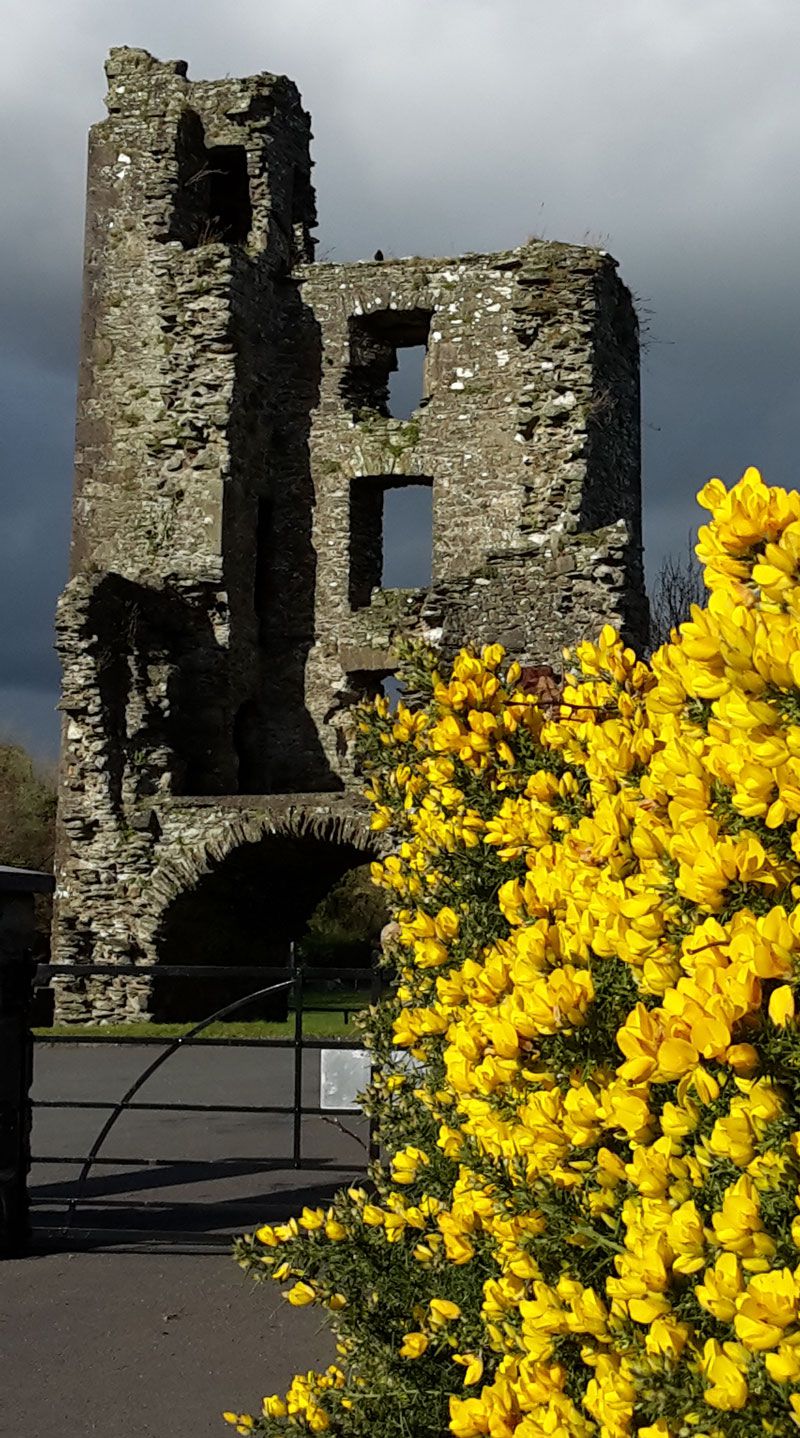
{"x":666,"y":130}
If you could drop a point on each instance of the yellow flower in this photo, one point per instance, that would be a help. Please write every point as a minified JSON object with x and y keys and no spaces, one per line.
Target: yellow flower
{"x":443,"y":1311}
{"x":766,"y":1309}
{"x":686,"y":1237}
{"x":721,"y":1287}
{"x":242,"y":1422}
{"x":667,"y":1338}
{"x":406,"y":1164}
{"x":723,"y":1365}
{"x":373,"y":1216}
{"x":469,"y":1417}
{"x":301,"y":1294}
{"x":737,"y":1225}
{"x":273,"y":1407}
{"x":783,"y":1366}
{"x":781,"y":1005}
{"x":413,"y":1345}
{"x":742,"y":1058}
{"x":473,"y":1365}
{"x":311,"y":1219}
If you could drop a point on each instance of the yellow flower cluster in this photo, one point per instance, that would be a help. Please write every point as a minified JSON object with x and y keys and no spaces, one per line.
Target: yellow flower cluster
{"x":599,"y":948}
{"x":301,"y":1406}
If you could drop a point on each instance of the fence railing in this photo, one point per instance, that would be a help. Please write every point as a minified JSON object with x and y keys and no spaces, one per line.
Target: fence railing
{"x":294,"y":980}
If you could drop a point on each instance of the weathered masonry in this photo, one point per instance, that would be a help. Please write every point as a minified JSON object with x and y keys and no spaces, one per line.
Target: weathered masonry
{"x":235,"y":448}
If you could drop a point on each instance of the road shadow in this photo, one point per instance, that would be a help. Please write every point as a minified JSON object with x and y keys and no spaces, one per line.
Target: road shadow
{"x":110,"y":1211}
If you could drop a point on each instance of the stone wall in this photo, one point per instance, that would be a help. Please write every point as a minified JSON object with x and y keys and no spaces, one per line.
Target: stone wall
{"x":135,"y":877}
{"x":235,"y":446}
{"x":528,"y":433}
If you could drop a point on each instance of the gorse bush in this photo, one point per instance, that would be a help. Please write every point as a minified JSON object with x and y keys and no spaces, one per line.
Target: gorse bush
{"x":587,"y":1224}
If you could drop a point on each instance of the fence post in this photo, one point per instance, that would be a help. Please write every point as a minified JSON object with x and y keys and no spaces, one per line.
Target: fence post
{"x":375,"y":991}
{"x":299,"y":998}
{"x":17,"y":889}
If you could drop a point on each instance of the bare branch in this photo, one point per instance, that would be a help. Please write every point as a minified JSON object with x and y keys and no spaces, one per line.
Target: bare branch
{"x":678,"y":585}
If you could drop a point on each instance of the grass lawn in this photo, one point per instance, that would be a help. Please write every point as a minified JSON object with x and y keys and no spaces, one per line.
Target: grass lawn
{"x":328,"y":1023}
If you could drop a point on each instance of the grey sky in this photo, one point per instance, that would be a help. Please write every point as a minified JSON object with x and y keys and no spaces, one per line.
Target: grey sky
{"x":667,"y":129}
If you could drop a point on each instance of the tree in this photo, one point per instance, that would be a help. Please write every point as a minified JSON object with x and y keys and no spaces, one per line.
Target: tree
{"x":678,"y":585}
{"x":27,"y":810}
{"x":27,"y":824}
{"x":345,"y":928}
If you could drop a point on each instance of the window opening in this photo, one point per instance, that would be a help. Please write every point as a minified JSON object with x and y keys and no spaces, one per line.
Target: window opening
{"x":407,"y":382}
{"x":391,"y":535}
{"x":407,"y":537}
{"x":303,"y":216}
{"x":230,"y":210}
{"x":393,"y":691}
{"x":367,"y":684}
{"x":212,"y":201}
{"x":386,"y":372}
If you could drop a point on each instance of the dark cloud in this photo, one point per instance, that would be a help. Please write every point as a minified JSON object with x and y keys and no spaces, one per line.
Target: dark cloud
{"x":36,"y":460}
{"x":666,"y":131}
{"x":28,"y":716}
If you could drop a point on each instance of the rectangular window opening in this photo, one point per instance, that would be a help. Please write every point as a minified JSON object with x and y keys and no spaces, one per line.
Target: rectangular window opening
{"x":393,"y":690}
{"x":407,"y":382}
{"x":407,"y":537}
{"x":303,"y":215}
{"x":391,"y":535}
{"x":212,"y":203}
{"x":230,"y":210}
{"x":386,"y":371}
{"x":370,"y":683}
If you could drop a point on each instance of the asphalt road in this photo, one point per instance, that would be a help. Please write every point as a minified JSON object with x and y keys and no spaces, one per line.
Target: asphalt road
{"x":134,"y":1320}
{"x":142,"y":1345}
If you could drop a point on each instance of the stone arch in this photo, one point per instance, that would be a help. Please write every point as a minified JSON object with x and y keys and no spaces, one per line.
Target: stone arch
{"x":242,"y":894}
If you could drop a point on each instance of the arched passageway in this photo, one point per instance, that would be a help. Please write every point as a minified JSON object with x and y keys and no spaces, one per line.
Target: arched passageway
{"x":245,"y":910}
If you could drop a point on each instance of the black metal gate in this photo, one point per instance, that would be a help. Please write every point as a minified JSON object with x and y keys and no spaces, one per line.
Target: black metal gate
{"x":71,"y":1207}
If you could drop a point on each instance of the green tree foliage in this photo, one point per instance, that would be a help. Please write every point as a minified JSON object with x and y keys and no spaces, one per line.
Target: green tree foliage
{"x":345,"y":928}
{"x":27,"y":823}
{"x":27,"y":810}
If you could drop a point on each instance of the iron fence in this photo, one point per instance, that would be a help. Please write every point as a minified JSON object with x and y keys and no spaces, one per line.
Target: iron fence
{"x":294,"y":980}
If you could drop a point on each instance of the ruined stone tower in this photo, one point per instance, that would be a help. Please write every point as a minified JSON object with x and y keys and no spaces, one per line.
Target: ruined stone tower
{"x":234,"y":447}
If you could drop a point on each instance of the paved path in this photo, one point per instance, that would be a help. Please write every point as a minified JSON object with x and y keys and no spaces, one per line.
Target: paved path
{"x":142,"y":1345}
{"x":135,"y":1320}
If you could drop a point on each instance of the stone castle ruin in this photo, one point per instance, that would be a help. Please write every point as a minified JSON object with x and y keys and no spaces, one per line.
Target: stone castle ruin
{"x":234,"y":449}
